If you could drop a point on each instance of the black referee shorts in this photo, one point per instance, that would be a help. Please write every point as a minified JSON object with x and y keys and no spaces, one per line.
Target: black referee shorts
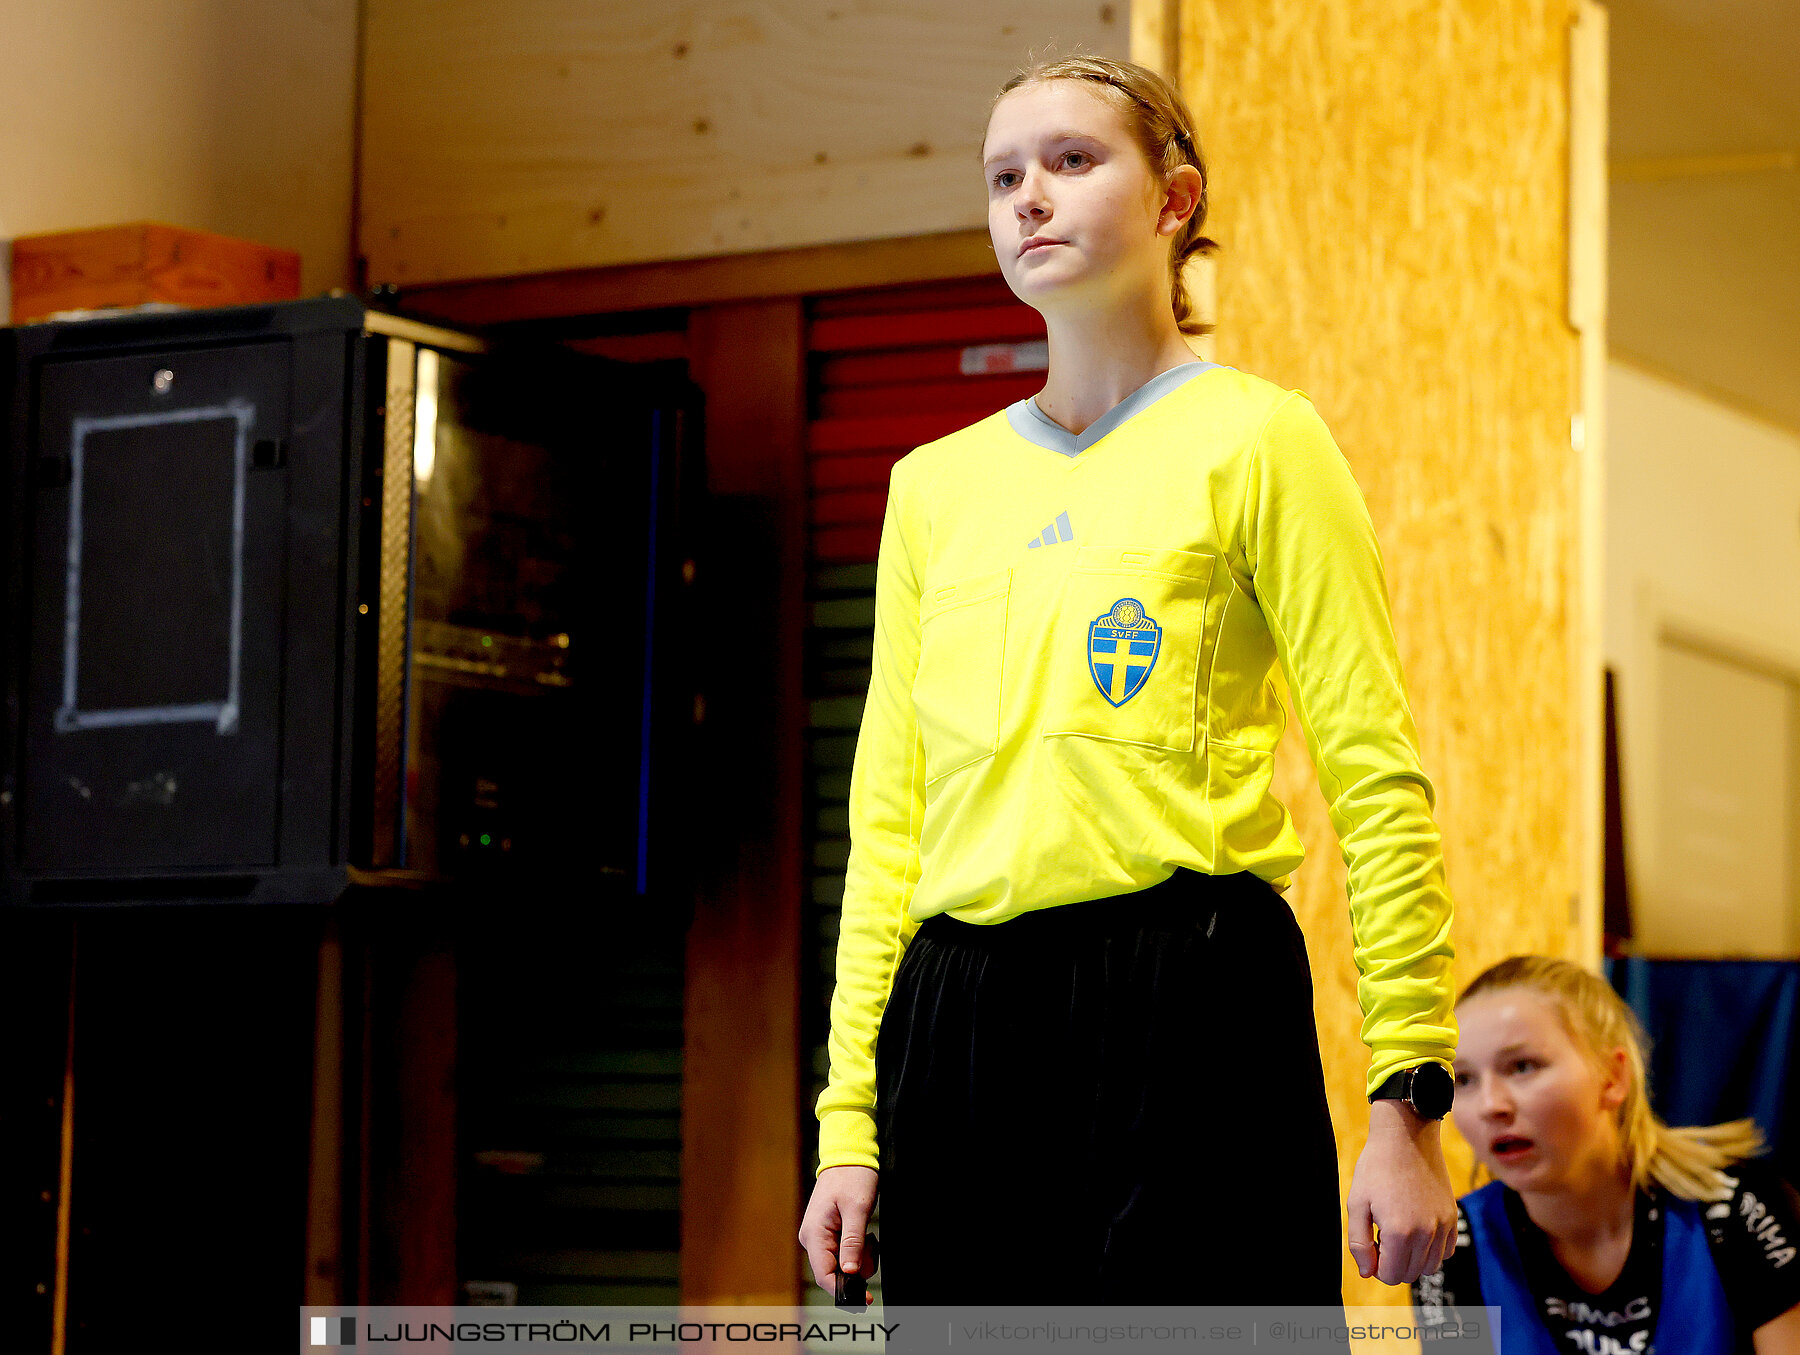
{"x":1113,"y":1102}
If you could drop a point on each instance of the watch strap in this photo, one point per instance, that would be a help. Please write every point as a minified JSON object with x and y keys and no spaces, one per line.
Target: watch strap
{"x":1398,"y":1087}
{"x":1403,"y":1086}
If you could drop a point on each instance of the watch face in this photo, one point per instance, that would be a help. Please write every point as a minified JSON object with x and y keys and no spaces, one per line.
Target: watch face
{"x":1433,"y":1089}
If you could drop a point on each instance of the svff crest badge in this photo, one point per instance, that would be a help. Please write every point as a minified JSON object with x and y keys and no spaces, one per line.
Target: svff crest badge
{"x":1122,"y":649}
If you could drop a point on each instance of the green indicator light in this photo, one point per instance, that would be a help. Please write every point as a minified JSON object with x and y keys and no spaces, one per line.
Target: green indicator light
{"x":487,"y":642}
{"x":485,"y":839}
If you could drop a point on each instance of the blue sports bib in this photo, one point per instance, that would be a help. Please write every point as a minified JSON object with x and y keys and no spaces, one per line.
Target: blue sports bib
{"x":1692,"y":1317}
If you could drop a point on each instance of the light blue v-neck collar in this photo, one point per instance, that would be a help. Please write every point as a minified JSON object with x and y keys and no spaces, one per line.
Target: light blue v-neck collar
{"x":1032,"y":424}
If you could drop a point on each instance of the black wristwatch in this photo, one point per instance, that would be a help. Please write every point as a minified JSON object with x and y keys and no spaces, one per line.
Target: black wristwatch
{"x":1428,"y":1089}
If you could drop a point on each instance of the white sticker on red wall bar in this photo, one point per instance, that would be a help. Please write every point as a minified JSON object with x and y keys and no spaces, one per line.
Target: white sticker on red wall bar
{"x":987,"y":359}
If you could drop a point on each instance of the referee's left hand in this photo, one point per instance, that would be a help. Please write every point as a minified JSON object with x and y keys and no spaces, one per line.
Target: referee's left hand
{"x":1402,"y":1211}
{"x":835,"y":1231}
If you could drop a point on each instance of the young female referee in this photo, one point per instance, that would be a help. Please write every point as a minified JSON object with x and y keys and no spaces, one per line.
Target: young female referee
{"x":1097,"y":1078}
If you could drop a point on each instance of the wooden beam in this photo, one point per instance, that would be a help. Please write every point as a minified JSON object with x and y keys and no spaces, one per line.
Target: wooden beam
{"x":425,"y":1186}
{"x":1586,"y":289}
{"x":741,"y":1157}
{"x":705,"y":282}
{"x":1657,"y":168}
{"x":364,"y":952}
{"x":143,"y":262}
{"x":324,"y":1280}
{"x":37,"y":966}
{"x":65,"y":1175}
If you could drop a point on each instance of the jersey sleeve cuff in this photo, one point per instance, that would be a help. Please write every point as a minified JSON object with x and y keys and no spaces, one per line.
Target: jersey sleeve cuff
{"x":847,"y":1139}
{"x":1388,"y":1062}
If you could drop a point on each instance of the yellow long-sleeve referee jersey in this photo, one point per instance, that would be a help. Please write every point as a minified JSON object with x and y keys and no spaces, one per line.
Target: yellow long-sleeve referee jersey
{"x":1072,"y":695}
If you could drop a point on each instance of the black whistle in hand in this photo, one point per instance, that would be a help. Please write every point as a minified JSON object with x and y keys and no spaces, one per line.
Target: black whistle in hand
{"x":853,"y":1290}
{"x":852,"y":1293}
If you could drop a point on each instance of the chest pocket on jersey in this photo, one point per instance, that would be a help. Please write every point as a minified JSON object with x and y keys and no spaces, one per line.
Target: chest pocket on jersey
{"x":962,"y":643}
{"x":1126,"y":656}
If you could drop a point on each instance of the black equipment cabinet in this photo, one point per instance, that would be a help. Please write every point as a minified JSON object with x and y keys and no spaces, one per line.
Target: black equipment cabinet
{"x":307,"y":602}
{"x":305,"y":593}
{"x":176,"y":547}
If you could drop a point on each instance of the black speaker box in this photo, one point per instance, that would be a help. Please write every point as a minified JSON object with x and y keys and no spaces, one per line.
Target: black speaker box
{"x":304,"y":590}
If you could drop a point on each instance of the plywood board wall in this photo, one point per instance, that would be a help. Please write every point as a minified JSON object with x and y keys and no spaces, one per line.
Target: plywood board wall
{"x":1390,"y":187}
{"x":559,"y":134}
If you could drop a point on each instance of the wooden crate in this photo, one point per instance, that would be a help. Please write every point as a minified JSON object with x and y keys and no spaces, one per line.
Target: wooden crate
{"x":141,"y":262}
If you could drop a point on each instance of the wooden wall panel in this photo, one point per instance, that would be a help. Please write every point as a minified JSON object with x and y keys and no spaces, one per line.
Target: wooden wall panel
{"x":1390,"y":186}
{"x":557,"y":134}
{"x":741,"y":1150}
{"x":236,"y":118}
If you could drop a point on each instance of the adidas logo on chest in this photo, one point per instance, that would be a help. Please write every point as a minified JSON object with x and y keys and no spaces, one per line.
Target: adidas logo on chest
{"x":1054,"y":535}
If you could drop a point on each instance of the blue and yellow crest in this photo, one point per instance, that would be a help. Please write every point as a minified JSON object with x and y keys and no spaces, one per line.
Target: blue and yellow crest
{"x":1122,"y":649}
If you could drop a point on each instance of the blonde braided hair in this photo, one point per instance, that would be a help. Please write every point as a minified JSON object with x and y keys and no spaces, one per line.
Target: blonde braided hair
{"x":1158,"y":117}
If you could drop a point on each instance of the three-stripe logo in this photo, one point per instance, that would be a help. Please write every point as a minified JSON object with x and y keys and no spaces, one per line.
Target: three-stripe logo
{"x":1055,"y":534}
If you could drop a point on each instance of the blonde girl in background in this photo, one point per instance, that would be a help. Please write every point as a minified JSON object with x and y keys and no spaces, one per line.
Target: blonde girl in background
{"x":1072,"y":1039}
{"x":1604,"y":1231}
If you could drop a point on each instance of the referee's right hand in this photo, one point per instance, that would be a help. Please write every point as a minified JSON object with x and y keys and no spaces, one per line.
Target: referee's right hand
{"x":835,"y":1230}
